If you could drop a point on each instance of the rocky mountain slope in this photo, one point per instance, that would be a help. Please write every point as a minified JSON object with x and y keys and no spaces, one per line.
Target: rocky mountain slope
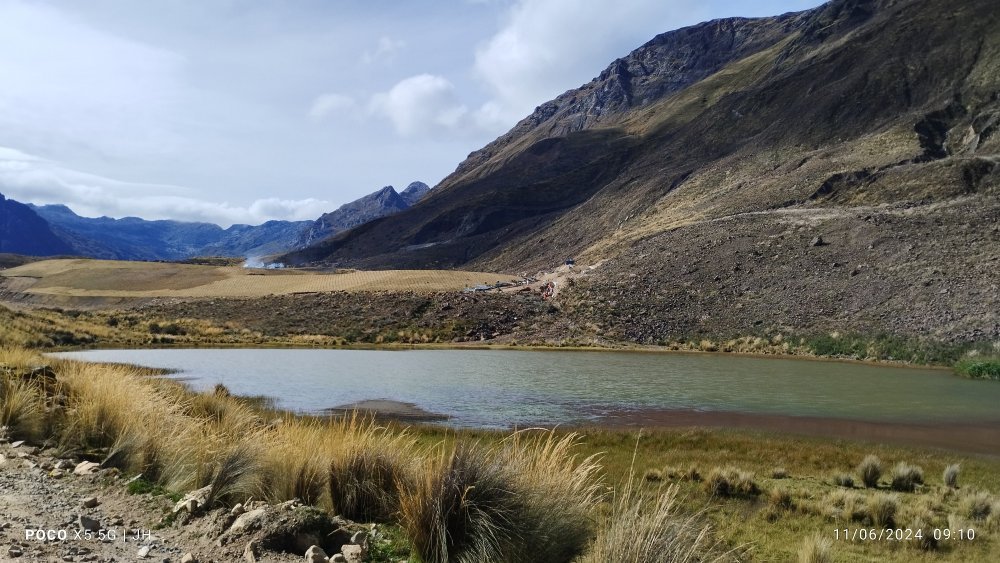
{"x":373,"y":206}
{"x":696,"y":171}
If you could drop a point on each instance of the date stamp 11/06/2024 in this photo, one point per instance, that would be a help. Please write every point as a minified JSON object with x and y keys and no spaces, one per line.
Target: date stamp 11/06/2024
{"x":904,"y":534}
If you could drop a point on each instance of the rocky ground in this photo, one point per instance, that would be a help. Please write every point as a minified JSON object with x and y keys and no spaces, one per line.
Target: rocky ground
{"x":66,"y":510}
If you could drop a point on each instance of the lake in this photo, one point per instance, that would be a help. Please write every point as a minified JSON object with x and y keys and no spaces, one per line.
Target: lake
{"x":504,"y":388}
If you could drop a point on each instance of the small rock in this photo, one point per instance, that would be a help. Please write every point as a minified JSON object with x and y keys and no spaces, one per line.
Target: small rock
{"x":15,"y":551}
{"x":17,"y":444}
{"x":353,"y":553}
{"x":188,"y":558}
{"x":315,"y":554}
{"x":67,"y":558}
{"x":817,"y":241}
{"x":89,"y":502}
{"x":238,"y":509}
{"x":360,"y":538}
{"x":338,"y":558}
{"x":86,"y":468}
{"x":88,"y":523}
{"x":143,"y":552}
{"x":57,"y":473}
{"x":194,"y":500}
{"x":247,"y":521}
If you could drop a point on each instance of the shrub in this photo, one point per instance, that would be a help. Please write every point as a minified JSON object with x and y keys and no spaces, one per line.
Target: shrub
{"x":816,"y":549}
{"x":870,"y":470}
{"x":906,"y":478}
{"x":881,"y":510}
{"x":642,"y":530}
{"x":976,"y":506}
{"x":951,"y":476}
{"x":926,"y":541}
{"x":844,"y":480}
{"x":979,"y":367}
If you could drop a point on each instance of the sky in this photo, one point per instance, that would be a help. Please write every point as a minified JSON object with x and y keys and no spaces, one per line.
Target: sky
{"x":239,"y":111}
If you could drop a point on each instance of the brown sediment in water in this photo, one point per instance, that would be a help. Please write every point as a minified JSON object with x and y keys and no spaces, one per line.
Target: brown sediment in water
{"x":982,"y":437}
{"x":389,"y":410}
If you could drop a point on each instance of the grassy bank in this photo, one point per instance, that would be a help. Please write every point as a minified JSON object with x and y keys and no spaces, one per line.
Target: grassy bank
{"x":594,"y":495}
{"x":978,"y":367}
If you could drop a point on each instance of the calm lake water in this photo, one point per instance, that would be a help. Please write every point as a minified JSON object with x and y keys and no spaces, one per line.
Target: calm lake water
{"x":500,"y":388}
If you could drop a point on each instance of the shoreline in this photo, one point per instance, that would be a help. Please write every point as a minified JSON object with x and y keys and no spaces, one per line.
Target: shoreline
{"x":625,"y":348}
{"x":978,"y":437}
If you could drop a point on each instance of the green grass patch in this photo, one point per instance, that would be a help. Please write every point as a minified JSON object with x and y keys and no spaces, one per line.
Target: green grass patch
{"x":979,"y":368}
{"x":142,"y":486}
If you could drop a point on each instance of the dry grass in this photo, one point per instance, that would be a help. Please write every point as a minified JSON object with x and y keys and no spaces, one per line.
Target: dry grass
{"x":870,"y":470}
{"x":976,"y":506}
{"x":731,"y":482}
{"x":881,"y":509}
{"x":528,"y":498}
{"x":107,"y":278}
{"x":950,"y":476}
{"x":816,"y":548}
{"x":642,"y":529}
{"x":906,"y":478}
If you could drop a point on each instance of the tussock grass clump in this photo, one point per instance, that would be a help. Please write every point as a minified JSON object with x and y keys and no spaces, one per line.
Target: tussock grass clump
{"x":906,"y":478}
{"x":816,"y":548}
{"x":780,"y":498}
{"x":881,"y":509}
{"x":653,"y":475}
{"x":692,"y":474}
{"x":844,"y":480}
{"x":976,"y":506}
{"x":730,"y":482}
{"x":365,"y":480}
{"x":950,"y":476}
{"x":529,"y":499}
{"x":22,"y":408}
{"x":841,"y":504}
{"x":643,"y":530}
{"x":779,"y":473}
{"x":870,"y":470}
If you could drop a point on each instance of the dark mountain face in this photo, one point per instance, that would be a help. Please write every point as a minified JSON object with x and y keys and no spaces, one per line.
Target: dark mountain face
{"x":373,"y":206}
{"x":855,"y":102}
{"x":22,"y":231}
{"x":132,"y":238}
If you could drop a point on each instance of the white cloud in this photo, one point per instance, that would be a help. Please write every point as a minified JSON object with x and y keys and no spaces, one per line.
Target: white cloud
{"x":329,"y":104}
{"x":69,"y":87}
{"x":29,"y":179}
{"x":421,"y":105}
{"x":385,"y":50}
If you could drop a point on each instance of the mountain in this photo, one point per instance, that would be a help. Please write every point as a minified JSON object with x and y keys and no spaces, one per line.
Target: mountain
{"x":846,"y":102}
{"x":22,"y":231}
{"x":382,"y":203}
{"x":837,"y":167}
{"x":132,"y":238}
{"x":414,"y":193}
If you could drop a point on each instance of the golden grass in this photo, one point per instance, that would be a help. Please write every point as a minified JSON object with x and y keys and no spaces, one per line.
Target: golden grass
{"x":120,"y":279}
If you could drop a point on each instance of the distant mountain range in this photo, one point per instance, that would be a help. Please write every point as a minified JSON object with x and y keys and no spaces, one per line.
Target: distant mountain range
{"x":49,"y":230}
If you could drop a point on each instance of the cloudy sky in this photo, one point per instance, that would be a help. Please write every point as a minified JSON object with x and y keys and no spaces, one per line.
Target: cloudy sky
{"x":234,"y":111}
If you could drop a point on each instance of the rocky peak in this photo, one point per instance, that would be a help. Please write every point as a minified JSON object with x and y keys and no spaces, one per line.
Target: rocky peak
{"x":414,"y":192}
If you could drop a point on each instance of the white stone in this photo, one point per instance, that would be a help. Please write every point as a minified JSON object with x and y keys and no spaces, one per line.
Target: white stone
{"x":86,"y":468}
{"x":315,"y":554}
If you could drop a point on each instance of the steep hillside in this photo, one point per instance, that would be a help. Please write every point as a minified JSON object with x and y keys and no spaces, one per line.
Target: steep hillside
{"x":373,"y":206}
{"x":857,"y":101}
{"x":22,"y":231}
{"x":832,"y":169}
